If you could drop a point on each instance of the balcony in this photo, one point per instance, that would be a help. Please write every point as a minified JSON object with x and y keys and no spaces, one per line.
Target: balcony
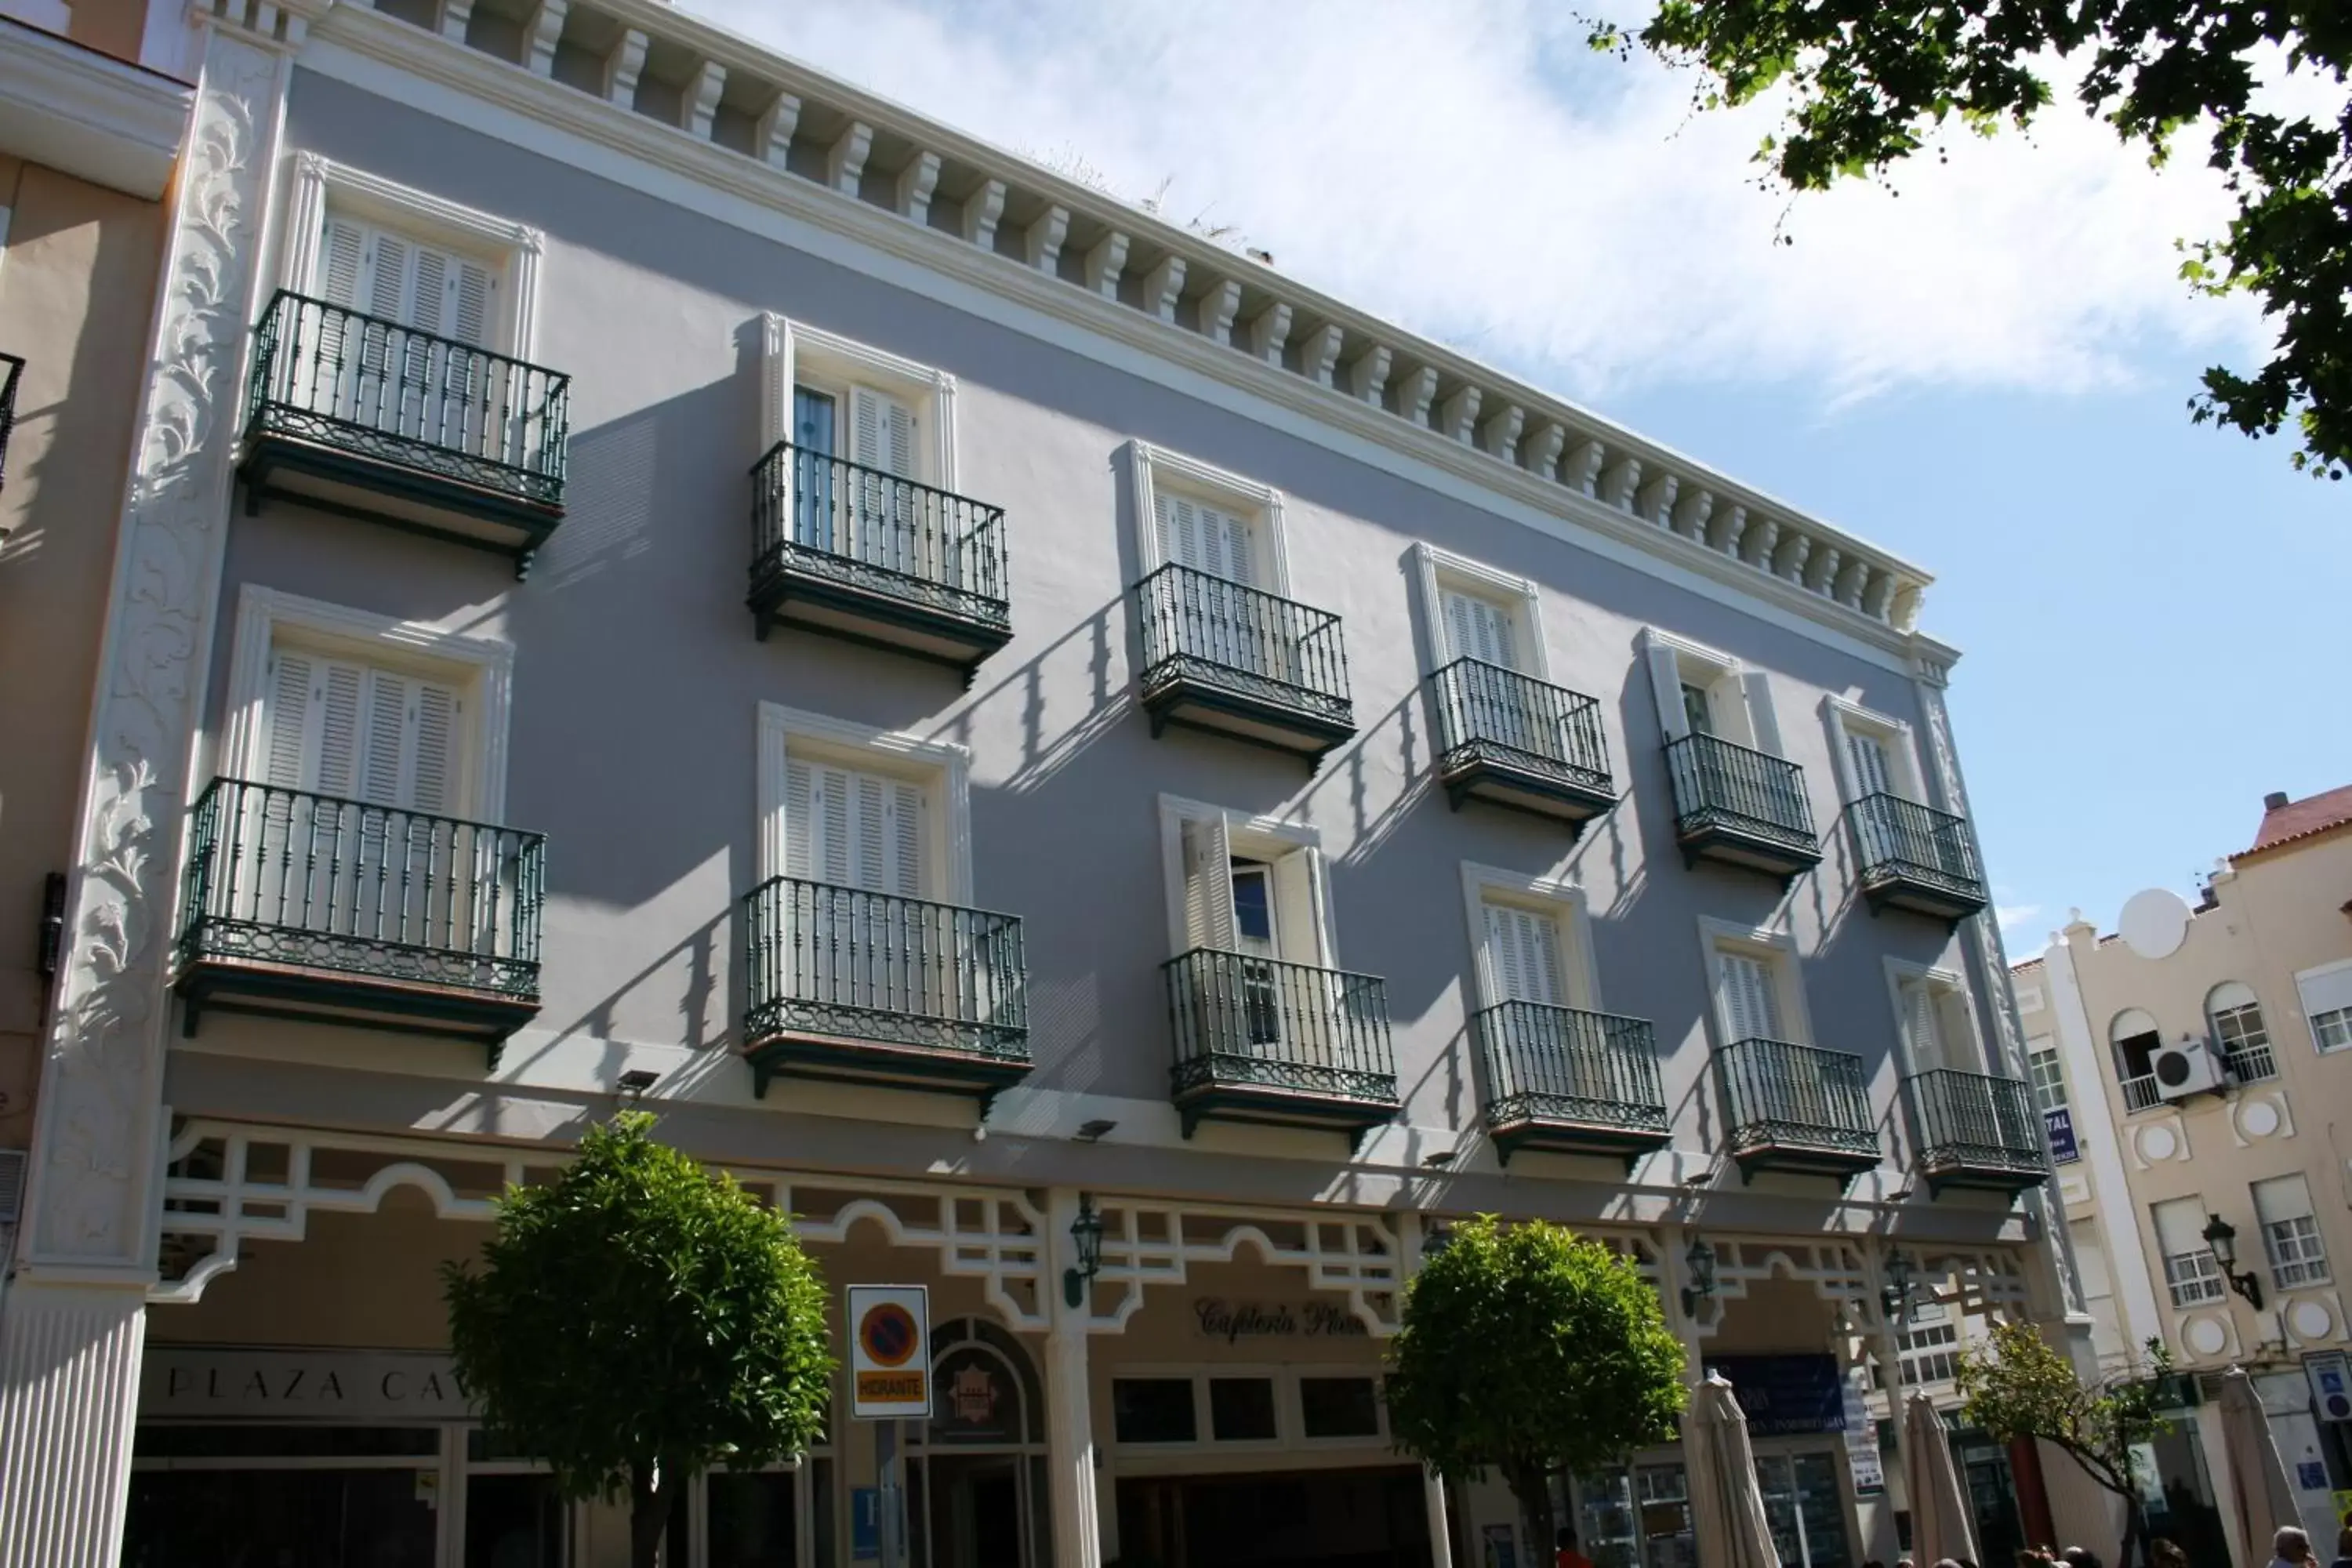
{"x":1970,"y":1130}
{"x":1570,"y":1082}
{"x":1913,"y":856}
{"x":872,"y":558}
{"x":1517,"y":742}
{"x":14,"y":365}
{"x":1260,"y":1040}
{"x":1795,"y":1108}
{"x":362,"y":416}
{"x":868,"y":988}
{"x":1741,"y":808}
{"x":328,"y":910}
{"x":1219,"y":656}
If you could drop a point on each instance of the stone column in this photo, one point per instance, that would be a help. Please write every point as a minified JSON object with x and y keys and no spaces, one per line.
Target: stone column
{"x":1069,"y":1418}
{"x":75,"y":1324}
{"x":1433,"y":1487}
{"x":1698,"y":1473}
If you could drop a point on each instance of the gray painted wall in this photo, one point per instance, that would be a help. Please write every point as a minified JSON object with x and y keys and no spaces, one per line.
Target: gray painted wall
{"x":638,"y":677}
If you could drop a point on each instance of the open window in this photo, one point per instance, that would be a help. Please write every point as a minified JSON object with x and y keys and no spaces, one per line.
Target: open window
{"x":1937,"y":1024}
{"x":1700,"y":691}
{"x":2134,"y":1039}
{"x":1249,"y":887}
{"x":2235,"y":1016}
{"x":1874,"y":753}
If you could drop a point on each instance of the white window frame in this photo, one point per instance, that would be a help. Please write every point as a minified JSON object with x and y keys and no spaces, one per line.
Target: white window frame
{"x":2303,"y":1005}
{"x":1776,"y":947}
{"x":1845,"y":719}
{"x":511,"y":250}
{"x":1956,"y":998}
{"x":482,"y":668}
{"x":1152,"y":469}
{"x":1564,"y":902}
{"x":1437,"y":572}
{"x":794,"y":354}
{"x":826,"y":738}
{"x":1259,"y":838}
{"x":2037,"y":1051}
{"x":1758,"y":727}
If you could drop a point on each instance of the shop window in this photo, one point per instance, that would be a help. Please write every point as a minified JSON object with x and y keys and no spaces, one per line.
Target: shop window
{"x":1153,"y":1410}
{"x":1339,"y":1407}
{"x":1241,"y":1410}
{"x":1804,"y":1509}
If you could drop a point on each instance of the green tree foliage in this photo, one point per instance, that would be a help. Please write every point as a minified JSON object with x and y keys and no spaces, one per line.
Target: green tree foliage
{"x":1527,"y":1350}
{"x":2019,"y":1385}
{"x":1871,"y":83}
{"x":638,"y":1320}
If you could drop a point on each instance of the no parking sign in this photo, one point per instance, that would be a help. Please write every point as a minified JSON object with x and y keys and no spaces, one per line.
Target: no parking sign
{"x":889,"y":1352}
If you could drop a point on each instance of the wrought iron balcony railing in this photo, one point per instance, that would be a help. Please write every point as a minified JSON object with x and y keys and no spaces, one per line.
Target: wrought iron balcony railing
{"x":1491,"y":718}
{"x":1923,"y":852}
{"x":381,"y":392}
{"x":878,"y":535}
{"x":1727,"y":792}
{"x":1257,"y":1034}
{"x":16,"y":372}
{"x":290,"y":895}
{"x":1799,"y":1106}
{"x":1223,"y":640}
{"x":1975,"y":1129}
{"x":846,"y":982}
{"x":1562,"y":1076}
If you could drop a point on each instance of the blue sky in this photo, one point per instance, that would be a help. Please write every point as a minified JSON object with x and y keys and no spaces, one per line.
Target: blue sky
{"x":1984,"y":370}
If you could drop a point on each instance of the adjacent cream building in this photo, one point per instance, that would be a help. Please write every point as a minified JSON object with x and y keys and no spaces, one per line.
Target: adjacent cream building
{"x":2195,"y":1067}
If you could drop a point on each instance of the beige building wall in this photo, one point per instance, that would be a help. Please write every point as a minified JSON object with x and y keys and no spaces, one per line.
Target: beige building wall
{"x":2261,"y":1148}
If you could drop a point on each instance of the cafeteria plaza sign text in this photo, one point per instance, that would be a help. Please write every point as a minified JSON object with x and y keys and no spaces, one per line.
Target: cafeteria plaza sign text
{"x":226,"y":1382}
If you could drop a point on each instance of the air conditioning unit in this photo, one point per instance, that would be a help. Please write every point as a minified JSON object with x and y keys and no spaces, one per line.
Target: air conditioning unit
{"x":2186,"y":1068}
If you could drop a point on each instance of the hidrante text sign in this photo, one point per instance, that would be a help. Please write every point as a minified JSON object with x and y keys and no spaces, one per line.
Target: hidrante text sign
{"x":889,"y":1352}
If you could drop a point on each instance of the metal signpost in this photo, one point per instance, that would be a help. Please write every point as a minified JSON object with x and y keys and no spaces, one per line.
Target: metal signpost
{"x":890,"y":1381}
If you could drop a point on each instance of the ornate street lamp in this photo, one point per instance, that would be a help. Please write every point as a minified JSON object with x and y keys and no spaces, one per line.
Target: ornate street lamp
{"x":2222,"y":1237}
{"x":1700,"y":1261}
{"x":1895,"y":1296}
{"x":1085,"y":1235}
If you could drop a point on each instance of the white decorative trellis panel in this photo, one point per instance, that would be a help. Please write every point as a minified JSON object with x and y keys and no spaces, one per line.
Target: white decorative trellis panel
{"x":1833,"y":1268}
{"x":1355,"y":1255}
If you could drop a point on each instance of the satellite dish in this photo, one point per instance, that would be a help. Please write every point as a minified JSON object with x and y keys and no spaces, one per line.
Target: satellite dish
{"x":2154,"y":922}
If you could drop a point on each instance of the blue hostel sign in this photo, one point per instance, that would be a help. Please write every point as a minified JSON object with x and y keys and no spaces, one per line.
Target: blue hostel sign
{"x":2063,"y":1147}
{"x":1785,"y":1395}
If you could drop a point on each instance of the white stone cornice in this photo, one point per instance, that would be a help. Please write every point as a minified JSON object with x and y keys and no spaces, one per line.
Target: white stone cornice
{"x":454,"y":17}
{"x":88,"y":115}
{"x":623,"y":68}
{"x":1217,"y":307}
{"x":543,"y":31}
{"x":1163,"y":286}
{"x":1620,"y":480}
{"x":1541,"y":453}
{"x":772,"y":140}
{"x":1041,"y":242}
{"x":1106,"y":264}
{"x":1319,"y":351}
{"x":1368,"y":375}
{"x":844,"y":161}
{"x":1691,"y":513}
{"x":1581,"y":469}
{"x":1724,"y":527}
{"x":1499,"y":435}
{"x":1656,"y":501}
{"x":1415,"y":393}
{"x":983,"y":210}
{"x":916,"y":182}
{"x":702,"y":104}
{"x":1269,"y":331}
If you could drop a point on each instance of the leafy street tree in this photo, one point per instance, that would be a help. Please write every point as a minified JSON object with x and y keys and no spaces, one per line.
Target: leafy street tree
{"x":1871,"y":83}
{"x":2020,"y":1387}
{"x":638,"y":1320}
{"x":1529,"y":1350}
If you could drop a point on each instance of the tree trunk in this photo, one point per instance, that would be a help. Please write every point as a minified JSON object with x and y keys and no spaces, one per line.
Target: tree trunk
{"x":1531,"y":1486}
{"x":649,"y":1506}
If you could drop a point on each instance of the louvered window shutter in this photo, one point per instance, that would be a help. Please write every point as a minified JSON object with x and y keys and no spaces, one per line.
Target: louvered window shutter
{"x":906,"y":840}
{"x":1478,"y":628}
{"x":1298,"y":933}
{"x":1870,"y":769}
{"x":1751,"y":1010}
{"x":288,"y":717}
{"x":1237,"y":558}
{"x":799,"y":836}
{"x":433,"y":776}
{"x":854,"y":830}
{"x":881,"y":432}
{"x":338,"y":690}
{"x":1924,"y":1026}
{"x":1179,"y":539}
{"x":1209,"y":884}
{"x":343,"y":260}
{"x":1526,"y":955}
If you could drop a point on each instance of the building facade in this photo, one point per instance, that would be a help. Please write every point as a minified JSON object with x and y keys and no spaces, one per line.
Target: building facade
{"x":1169,"y":752}
{"x":93,"y":111}
{"x":2190,"y":1063}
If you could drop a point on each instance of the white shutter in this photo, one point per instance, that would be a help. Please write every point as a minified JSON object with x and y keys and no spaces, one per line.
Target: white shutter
{"x":800,"y":829}
{"x":389,"y":273}
{"x":1751,"y":1010}
{"x":1239,"y":555}
{"x":385,"y":754}
{"x":337,"y":690}
{"x":1197,"y":535}
{"x":1180,"y":540}
{"x":906,"y":876}
{"x":881,"y":433}
{"x":1870,"y":769}
{"x":2283,"y":1198}
{"x":1666,"y":687}
{"x":1526,"y":946}
{"x":854,"y":830}
{"x":343,"y":259}
{"x":288,"y":717}
{"x":1922,"y":1024}
{"x":1297,"y":929}
{"x":2179,"y":1226}
{"x":1477,"y":628}
{"x":1763,"y":728}
{"x":433,"y":774}
{"x":1208,"y":884}
{"x":430,"y":299}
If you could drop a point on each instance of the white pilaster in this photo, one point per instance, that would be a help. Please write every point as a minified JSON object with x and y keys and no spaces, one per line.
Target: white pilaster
{"x":1069,"y":1420}
{"x":74,"y":1317}
{"x":916,"y":182}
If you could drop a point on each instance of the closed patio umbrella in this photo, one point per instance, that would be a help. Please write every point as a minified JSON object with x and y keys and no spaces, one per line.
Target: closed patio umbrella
{"x":1940,"y":1512}
{"x":2259,"y":1498}
{"x":1729,"y":1522}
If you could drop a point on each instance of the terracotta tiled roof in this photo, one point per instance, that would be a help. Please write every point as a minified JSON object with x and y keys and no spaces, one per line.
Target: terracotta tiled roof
{"x":2302,"y":818}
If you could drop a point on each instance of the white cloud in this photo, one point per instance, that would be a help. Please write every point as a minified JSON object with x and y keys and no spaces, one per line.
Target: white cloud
{"x":2013,"y":917}
{"x":1477,"y":174}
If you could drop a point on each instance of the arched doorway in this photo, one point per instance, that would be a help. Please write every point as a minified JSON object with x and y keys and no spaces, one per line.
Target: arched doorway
{"x":976,"y":1476}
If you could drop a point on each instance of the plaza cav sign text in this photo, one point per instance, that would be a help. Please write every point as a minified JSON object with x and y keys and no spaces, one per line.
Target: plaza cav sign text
{"x":226,"y":1383}
{"x":1232,"y":1322}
